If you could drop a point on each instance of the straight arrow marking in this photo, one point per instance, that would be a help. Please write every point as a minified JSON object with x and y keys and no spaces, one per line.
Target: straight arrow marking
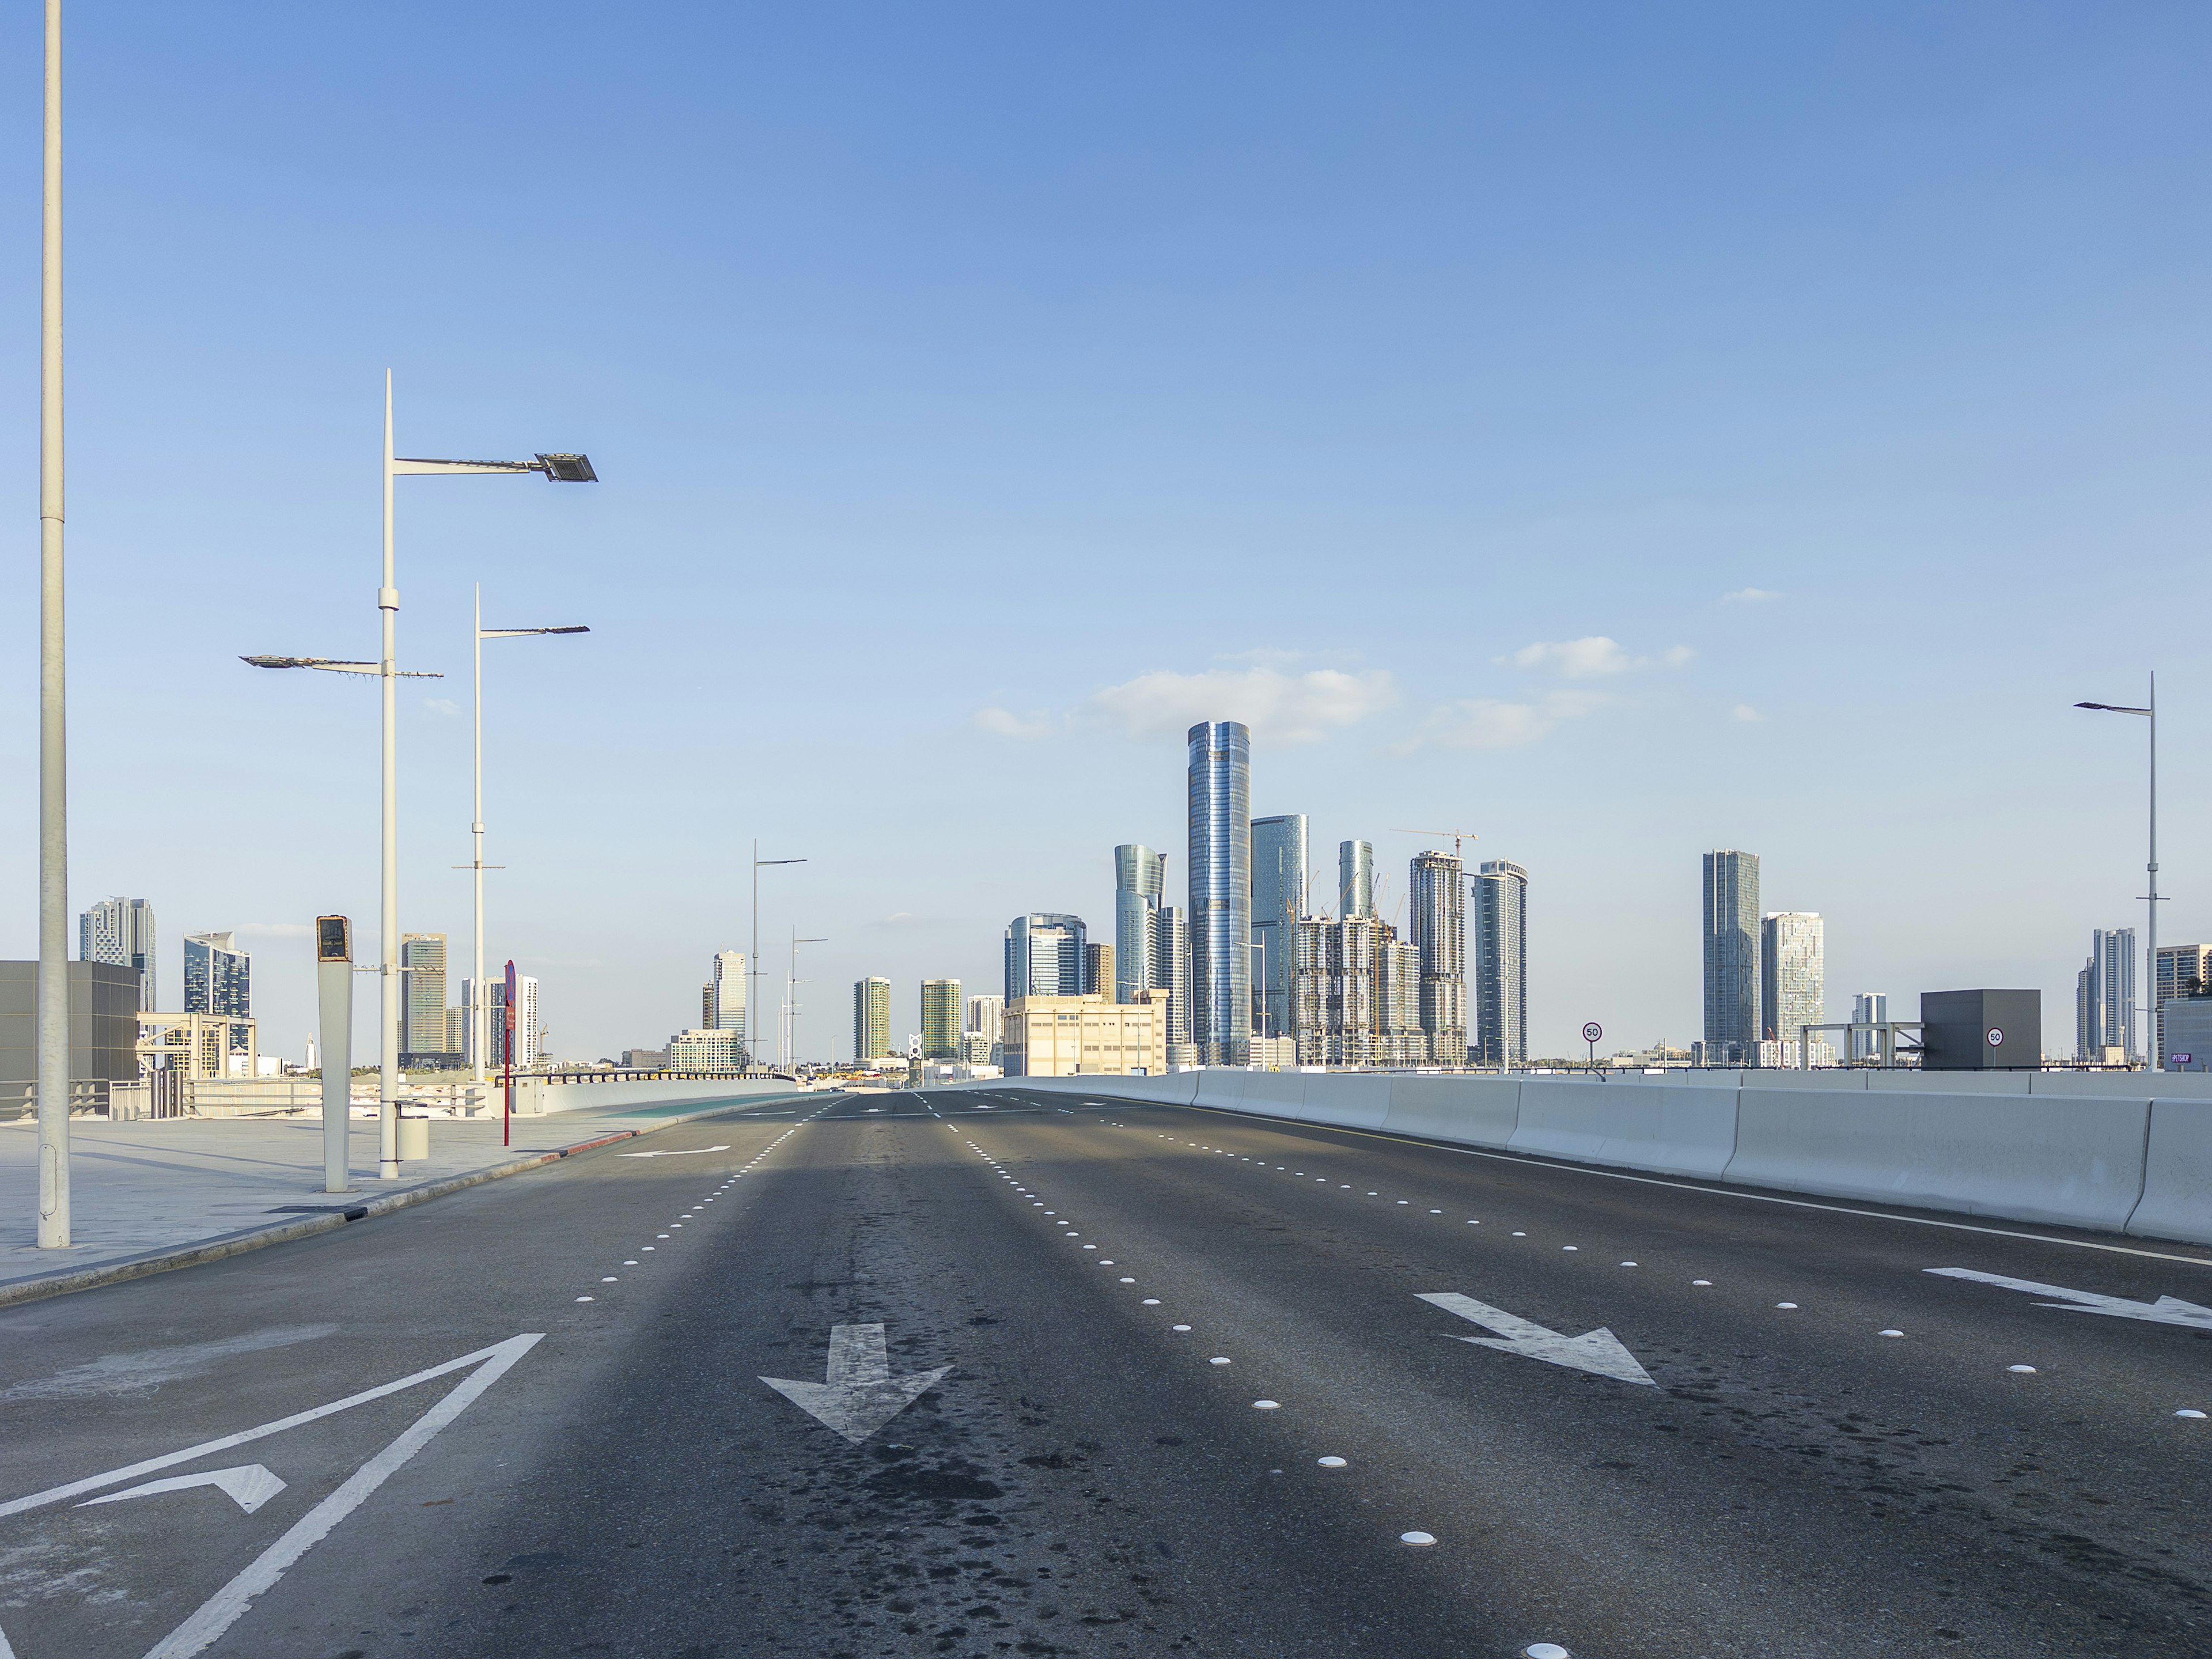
{"x":860,"y":1394}
{"x":2166,"y":1310}
{"x":689,"y":1152}
{"x":250,"y":1486}
{"x":1599,"y":1351}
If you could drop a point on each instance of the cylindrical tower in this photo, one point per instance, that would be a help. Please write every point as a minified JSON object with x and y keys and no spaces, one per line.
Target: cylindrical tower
{"x":1221,"y":891}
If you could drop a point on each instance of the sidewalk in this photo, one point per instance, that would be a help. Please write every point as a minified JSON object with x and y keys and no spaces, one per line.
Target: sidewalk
{"x":142,"y":1192}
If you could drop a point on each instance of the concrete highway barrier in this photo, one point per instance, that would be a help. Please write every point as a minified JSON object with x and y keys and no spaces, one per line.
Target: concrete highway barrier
{"x":1674,"y":1131}
{"x":2177,"y":1191}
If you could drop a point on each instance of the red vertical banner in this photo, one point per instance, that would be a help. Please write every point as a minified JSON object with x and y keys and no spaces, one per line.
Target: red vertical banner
{"x":506,"y":1057}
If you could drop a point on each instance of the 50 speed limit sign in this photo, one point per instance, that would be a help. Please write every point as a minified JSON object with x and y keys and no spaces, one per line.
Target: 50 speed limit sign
{"x":1592,"y":1031}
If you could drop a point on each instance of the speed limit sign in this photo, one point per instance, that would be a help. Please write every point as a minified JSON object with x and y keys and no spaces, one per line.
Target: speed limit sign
{"x":1592,"y":1031}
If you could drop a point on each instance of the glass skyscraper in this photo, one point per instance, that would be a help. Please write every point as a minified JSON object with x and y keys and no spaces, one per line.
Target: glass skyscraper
{"x":872,"y":1017}
{"x":1171,"y":971}
{"x":1793,"y":977}
{"x":1139,"y":875}
{"x":1221,"y":891}
{"x":1044,"y":956}
{"x":1731,"y":924}
{"x":1500,"y":891}
{"x":1355,"y":879}
{"x":219,"y":979}
{"x":1279,"y":888}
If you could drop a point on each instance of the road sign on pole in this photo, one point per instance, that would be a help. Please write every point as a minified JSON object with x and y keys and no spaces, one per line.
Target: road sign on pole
{"x":506,"y":1054}
{"x":1591,"y":1032}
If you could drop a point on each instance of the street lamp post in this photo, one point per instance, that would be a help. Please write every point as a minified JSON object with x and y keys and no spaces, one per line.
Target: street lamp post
{"x":752,"y":962}
{"x":52,"y":1036}
{"x":556,"y":469}
{"x":2150,"y":899}
{"x":787,"y":1017}
{"x":476,"y":865}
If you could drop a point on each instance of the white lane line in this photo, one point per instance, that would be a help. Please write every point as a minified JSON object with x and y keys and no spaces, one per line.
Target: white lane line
{"x":229,"y":1604}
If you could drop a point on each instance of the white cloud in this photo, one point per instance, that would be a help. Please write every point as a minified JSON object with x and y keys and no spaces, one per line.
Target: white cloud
{"x":444,"y":705}
{"x":1007,"y":724}
{"x":1280,"y":707}
{"x":1490,"y":723}
{"x":1745,"y":711}
{"x":1591,"y":658}
{"x":1750,"y":596}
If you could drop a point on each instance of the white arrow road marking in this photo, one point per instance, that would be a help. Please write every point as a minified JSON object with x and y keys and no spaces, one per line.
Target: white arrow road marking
{"x":250,"y":1486}
{"x":861,"y":1395}
{"x":1598,"y":1351}
{"x":689,"y":1152}
{"x":2166,"y":1310}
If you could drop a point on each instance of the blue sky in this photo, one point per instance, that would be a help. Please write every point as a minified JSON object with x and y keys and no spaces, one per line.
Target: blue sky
{"x":1621,"y":431}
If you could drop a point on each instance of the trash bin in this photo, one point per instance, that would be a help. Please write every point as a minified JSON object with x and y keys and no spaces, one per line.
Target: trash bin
{"x":414,"y":1139}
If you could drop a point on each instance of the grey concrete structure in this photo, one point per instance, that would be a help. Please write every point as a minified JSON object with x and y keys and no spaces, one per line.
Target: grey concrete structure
{"x":103,"y":1024}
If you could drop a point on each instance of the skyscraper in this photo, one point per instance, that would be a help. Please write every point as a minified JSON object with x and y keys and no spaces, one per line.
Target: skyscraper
{"x":423,"y":994}
{"x":1437,"y":929}
{"x":872,"y":1018}
{"x":219,"y":979}
{"x":2182,"y":970}
{"x":1098,"y":971}
{"x":1278,"y":889}
{"x":121,"y":932}
{"x":1731,"y":945}
{"x":1355,"y":879}
{"x":528,"y":1037}
{"x":1500,"y":893}
{"x":986,"y":1016}
{"x":940,"y":1019}
{"x":1332,"y":995}
{"x":2104,"y":996}
{"x":1400,"y":1040}
{"x":725,"y":1007}
{"x":1793,"y":977}
{"x":1171,"y":973}
{"x":1140,"y":876}
{"x":1869,"y":1008}
{"x":1221,"y":891}
{"x":1044,"y":956}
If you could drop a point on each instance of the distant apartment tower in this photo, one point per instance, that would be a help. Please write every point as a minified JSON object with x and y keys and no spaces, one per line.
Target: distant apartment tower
{"x":722,"y":999}
{"x":1400,"y":1040}
{"x":1139,"y":878}
{"x":1279,"y":890}
{"x":1869,"y":1008}
{"x":1438,"y":928}
{"x":2182,"y":970}
{"x":940,"y":1019}
{"x":1044,"y":956}
{"x":1332,"y":995}
{"x":1792,"y":977}
{"x":1355,"y":879}
{"x":1098,"y":971}
{"x":1171,"y":976}
{"x":1731,"y":927}
{"x":423,"y":1027}
{"x":1500,"y":896}
{"x":2104,"y":996}
{"x":219,"y":979}
{"x":872,"y":1017}
{"x":1220,"y":869}
{"x":120,"y":932}
{"x":529,"y":1044}
{"x":987,"y":1016}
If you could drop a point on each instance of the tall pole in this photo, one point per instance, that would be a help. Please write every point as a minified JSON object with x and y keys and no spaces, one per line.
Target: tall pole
{"x":2157,"y":1040}
{"x":475,"y":831}
{"x":752,"y":968}
{"x":53,"y":1024}
{"x":388,"y":1014}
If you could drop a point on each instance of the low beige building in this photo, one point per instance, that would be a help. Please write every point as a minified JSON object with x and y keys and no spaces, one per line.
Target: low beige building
{"x":1086,"y":1036}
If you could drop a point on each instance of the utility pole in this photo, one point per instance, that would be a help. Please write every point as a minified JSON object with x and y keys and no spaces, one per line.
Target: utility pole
{"x":53,"y":1021}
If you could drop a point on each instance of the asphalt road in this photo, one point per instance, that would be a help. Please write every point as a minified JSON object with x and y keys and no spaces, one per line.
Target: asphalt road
{"x":1744,"y":1463}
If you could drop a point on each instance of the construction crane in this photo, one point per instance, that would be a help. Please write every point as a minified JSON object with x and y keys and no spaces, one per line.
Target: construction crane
{"x":1457,"y":835}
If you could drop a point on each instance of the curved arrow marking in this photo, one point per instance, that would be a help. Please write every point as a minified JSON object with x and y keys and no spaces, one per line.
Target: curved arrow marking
{"x":861,"y":1395}
{"x":1599,"y":1351}
{"x":250,"y":1486}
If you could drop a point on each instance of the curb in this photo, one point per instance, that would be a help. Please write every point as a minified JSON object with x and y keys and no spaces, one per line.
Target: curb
{"x":254,"y":1238}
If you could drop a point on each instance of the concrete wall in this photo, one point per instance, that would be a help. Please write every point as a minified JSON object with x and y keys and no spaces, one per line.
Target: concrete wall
{"x":2116,"y":1151}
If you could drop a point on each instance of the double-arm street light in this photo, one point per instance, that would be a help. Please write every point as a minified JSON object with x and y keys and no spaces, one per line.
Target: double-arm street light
{"x":752,"y":962}
{"x":2150,"y":899}
{"x":557,"y":469}
{"x":788,"y":1016}
{"x":476,"y":865}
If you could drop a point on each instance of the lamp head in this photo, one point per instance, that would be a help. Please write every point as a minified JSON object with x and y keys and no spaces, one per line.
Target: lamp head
{"x":568,"y":469}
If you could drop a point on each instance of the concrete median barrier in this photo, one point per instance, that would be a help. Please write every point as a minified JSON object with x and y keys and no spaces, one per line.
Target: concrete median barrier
{"x":1676,"y":1130}
{"x":2075,"y":1160}
{"x":2177,"y":1191}
{"x":1472,"y":1111}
